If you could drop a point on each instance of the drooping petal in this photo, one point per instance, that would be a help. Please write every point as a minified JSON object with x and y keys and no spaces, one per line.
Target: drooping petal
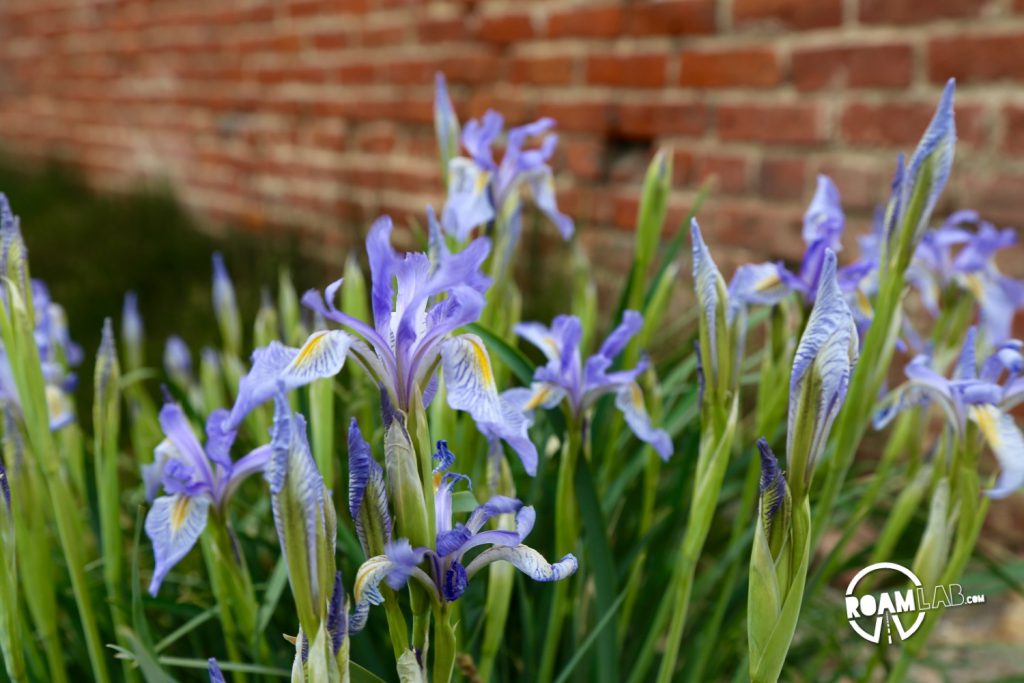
{"x":1006,"y":441}
{"x":755,"y":284}
{"x":526,"y":560}
{"x":542,"y":186}
{"x":469,"y":203}
{"x":174,"y":524}
{"x":630,"y":401}
{"x":455,"y":582}
{"x":470,"y":379}
{"x":323,"y":355}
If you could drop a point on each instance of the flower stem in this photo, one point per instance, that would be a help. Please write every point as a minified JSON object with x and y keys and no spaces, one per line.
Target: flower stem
{"x":566,"y":533}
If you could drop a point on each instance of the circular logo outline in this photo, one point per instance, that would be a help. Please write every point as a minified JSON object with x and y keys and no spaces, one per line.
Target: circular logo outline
{"x":877,"y":636}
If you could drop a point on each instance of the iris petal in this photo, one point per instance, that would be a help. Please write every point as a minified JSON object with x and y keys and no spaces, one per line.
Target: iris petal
{"x":174,"y":524}
{"x":630,"y":400}
{"x":323,"y":355}
{"x":526,"y":560}
{"x":1006,"y":441}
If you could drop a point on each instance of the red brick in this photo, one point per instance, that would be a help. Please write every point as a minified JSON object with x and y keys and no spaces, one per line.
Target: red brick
{"x":356,"y":73}
{"x":515,"y":109}
{"x":729,"y":172}
{"x":861,"y":66}
{"x":586,"y":22}
{"x":1019,"y":6}
{"x":584,"y":116}
{"x":442,"y":30}
{"x":407,"y":72}
{"x":861,"y":185}
{"x":473,"y":67}
{"x":783,"y":178}
{"x":683,"y":17}
{"x":653,"y":120}
{"x":901,"y":124}
{"x":796,"y":14}
{"x":628,"y":71}
{"x":584,"y":157}
{"x":916,"y":11}
{"x":332,"y":40}
{"x":755,"y":67}
{"x":542,"y":70}
{"x":977,"y":58}
{"x":506,"y":28}
{"x":773,"y":124}
{"x":1014,"y":141}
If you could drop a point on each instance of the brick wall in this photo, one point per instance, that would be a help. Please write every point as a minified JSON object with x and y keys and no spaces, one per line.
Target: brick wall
{"x":316,"y":114}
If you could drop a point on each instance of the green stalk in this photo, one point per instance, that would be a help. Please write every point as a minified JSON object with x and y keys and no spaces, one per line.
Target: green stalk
{"x":106,"y":430}
{"x":444,"y":644}
{"x":501,"y":579}
{"x":566,"y":534}
{"x":17,"y":330}
{"x":218,"y":585}
{"x":715,"y":448}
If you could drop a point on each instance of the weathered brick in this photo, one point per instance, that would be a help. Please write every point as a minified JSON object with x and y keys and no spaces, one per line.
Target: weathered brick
{"x":799,"y":124}
{"x":856,"y":66}
{"x":730,"y":172}
{"x":578,"y":115}
{"x":542,"y":70}
{"x":916,"y":12}
{"x":506,"y":28}
{"x":584,"y":157}
{"x":628,"y":71}
{"x":862,"y":185}
{"x":901,"y":124}
{"x":442,"y":30}
{"x":681,"y":17}
{"x":586,"y":22}
{"x":1014,"y":118}
{"x":797,"y":14}
{"x":783,"y":178}
{"x":756,"y":67}
{"x":977,"y":58}
{"x":651,"y":120}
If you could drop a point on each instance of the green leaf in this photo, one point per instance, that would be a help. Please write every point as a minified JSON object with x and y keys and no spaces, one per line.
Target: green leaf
{"x":602,"y":566}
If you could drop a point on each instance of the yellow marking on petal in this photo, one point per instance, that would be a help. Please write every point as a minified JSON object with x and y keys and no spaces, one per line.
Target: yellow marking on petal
{"x":975,"y":286}
{"x":540,"y":395}
{"x":481,"y":182}
{"x":367,"y":569}
{"x":637,"y":396}
{"x":180,"y":513}
{"x":309,"y":349}
{"x":987,"y":419}
{"x":482,"y":362}
{"x":437,"y":481}
{"x":767,"y":282}
{"x":864,"y":304}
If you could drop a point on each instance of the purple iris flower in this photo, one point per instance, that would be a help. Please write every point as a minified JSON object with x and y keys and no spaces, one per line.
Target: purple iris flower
{"x":983,"y":393}
{"x":417,"y":305}
{"x":567,"y":378}
{"x":193,"y":478}
{"x":448,"y":571}
{"x":955,"y":254}
{"x":481,"y":190}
